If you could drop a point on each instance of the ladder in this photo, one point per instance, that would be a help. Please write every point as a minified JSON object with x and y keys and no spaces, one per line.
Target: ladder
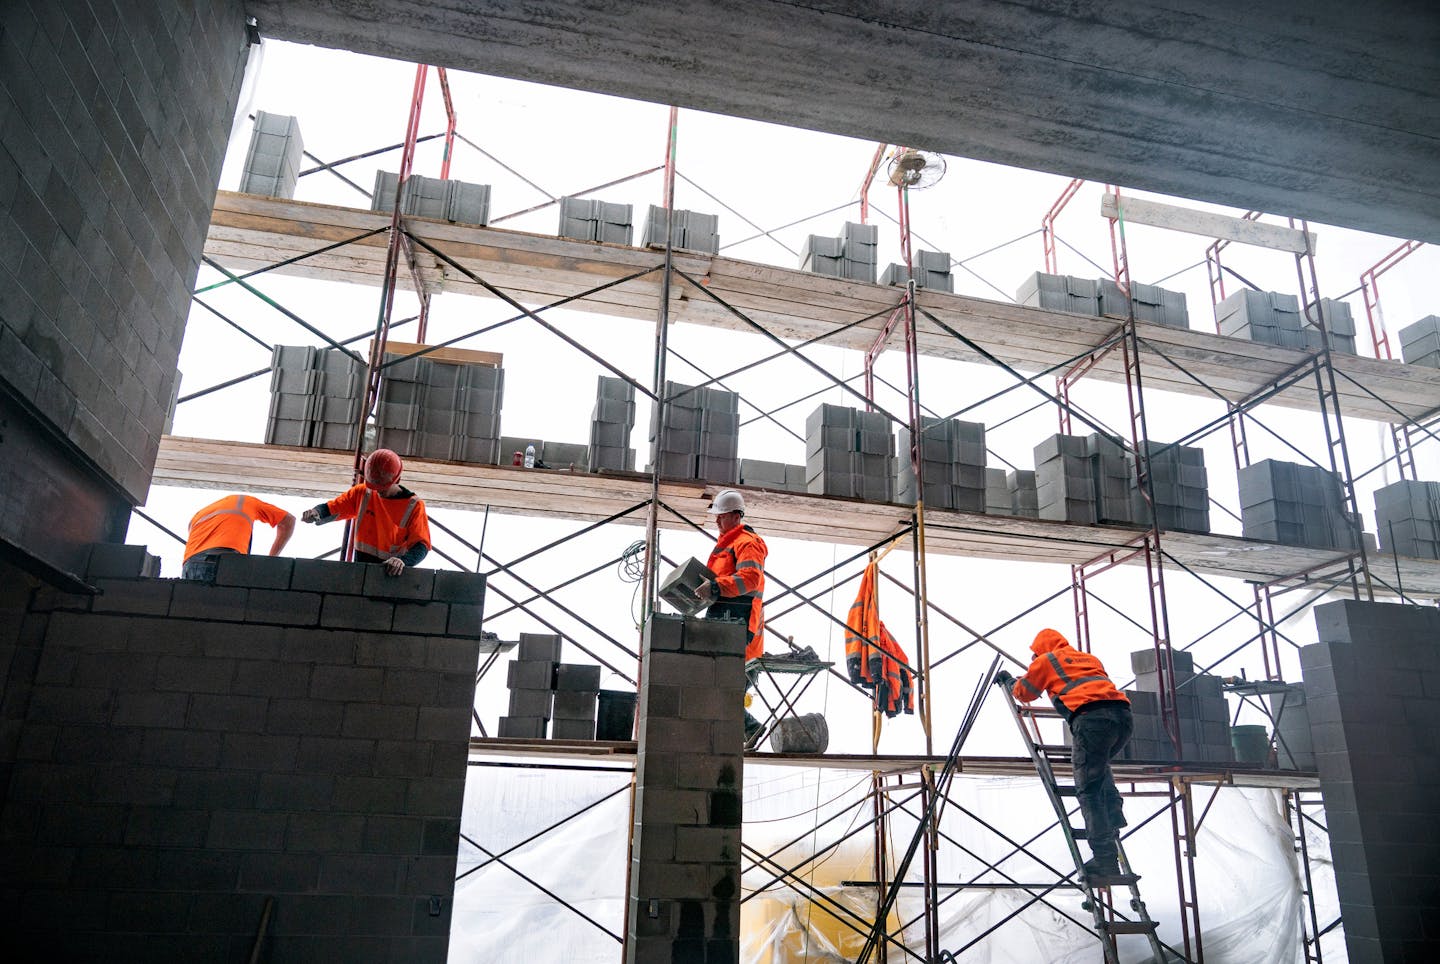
{"x":1099,"y":901}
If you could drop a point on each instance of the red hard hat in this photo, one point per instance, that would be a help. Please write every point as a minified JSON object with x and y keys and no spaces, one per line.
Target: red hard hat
{"x":382,"y":469}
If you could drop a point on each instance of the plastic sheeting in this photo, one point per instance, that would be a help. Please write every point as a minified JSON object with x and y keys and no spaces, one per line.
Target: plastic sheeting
{"x":1245,"y":866}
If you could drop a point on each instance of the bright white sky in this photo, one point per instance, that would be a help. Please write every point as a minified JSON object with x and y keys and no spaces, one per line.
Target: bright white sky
{"x":566,"y":142}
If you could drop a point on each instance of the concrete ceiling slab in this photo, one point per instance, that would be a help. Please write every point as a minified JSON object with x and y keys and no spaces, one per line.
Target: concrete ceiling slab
{"x":1326,"y":109}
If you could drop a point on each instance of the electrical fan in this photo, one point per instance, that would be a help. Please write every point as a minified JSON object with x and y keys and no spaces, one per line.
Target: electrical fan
{"x":914,"y":169}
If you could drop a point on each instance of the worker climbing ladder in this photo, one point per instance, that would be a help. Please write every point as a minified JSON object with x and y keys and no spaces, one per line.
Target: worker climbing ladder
{"x":1109,"y":922}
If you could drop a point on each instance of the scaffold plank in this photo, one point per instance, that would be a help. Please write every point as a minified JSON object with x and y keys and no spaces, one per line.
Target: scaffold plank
{"x":586,"y":498}
{"x":250,"y":232}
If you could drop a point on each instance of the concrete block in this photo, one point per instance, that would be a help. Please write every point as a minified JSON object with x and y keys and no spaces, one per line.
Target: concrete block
{"x":567,"y":729}
{"x":522,"y":727}
{"x":574,"y":705}
{"x":534,"y":674}
{"x":538,"y":646}
{"x":412,"y":583}
{"x":357,"y":612}
{"x":425,"y":618}
{"x":577,"y":677}
{"x":532,"y":703}
{"x":324,"y":576}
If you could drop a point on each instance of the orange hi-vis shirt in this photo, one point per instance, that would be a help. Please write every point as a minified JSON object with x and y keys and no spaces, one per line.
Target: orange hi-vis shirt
{"x":383,"y":527}
{"x":738,"y":561}
{"x":1068,"y":675}
{"x":228,"y":523}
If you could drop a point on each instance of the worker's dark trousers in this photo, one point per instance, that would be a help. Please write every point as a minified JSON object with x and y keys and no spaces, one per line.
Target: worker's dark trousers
{"x":202,"y":565}
{"x":737,"y":611}
{"x":1101,"y":732}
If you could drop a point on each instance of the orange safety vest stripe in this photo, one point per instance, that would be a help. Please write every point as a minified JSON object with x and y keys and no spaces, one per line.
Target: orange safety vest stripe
{"x":738,"y":561}
{"x":383,"y":527}
{"x":1073,"y":677}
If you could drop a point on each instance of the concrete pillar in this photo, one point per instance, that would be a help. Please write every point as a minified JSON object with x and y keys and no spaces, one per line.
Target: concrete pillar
{"x":1373,"y":691}
{"x":685,"y":843}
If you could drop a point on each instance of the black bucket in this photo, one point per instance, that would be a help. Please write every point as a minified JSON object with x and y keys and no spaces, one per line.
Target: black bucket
{"x":616,"y":715}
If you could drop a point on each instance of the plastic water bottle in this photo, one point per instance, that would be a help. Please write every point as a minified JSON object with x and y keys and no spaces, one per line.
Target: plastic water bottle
{"x":529,"y":456}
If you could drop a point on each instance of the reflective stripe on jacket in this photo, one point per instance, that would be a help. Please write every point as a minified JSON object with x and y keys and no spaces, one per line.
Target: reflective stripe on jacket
{"x":228,"y":523}
{"x":1070,"y":677}
{"x":383,"y":527}
{"x":738,"y":561}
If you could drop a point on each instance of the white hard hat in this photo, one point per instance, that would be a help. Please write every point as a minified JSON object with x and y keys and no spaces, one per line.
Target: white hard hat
{"x":727,"y":500}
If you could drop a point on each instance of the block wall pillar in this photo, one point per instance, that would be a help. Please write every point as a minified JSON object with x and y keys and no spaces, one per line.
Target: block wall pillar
{"x":685,"y":843}
{"x":1372,"y":685}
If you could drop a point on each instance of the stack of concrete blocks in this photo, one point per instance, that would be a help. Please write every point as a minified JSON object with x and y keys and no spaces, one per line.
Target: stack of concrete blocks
{"x":1294,"y":745}
{"x":1024,"y":498}
{"x":272,"y":164}
{"x":610,"y":425}
{"x":440,"y":410}
{"x":1420,"y":342}
{"x":432,"y":197}
{"x":531,"y":678}
{"x":1407,"y":518}
{"x":577,"y":690}
{"x":1374,"y":730}
{"x":690,"y":230}
{"x":1084,"y":296}
{"x":997,"y":492}
{"x":315,"y":396}
{"x":952,"y":465}
{"x":1113,"y":469}
{"x":697,"y":434}
{"x":772,"y":475}
{"x":1065,"y":481}
{"x":1180,"y":486}
{"x":1200,"y":706}
{"x":719,"y":457}
{"x":849,"y":453}
{"x":1275,"y":319}
{"x":851,"y":256}
{"x":1294,"y":504}
{"x":296,"y":729}
{"x":585,"y":219}
{"x":932,"y":271}
{"x":1153,"y":304}
{"x":685,"y":841}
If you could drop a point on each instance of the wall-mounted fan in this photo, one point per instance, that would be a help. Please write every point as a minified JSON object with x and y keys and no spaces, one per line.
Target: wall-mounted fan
{"x":914,"y":169}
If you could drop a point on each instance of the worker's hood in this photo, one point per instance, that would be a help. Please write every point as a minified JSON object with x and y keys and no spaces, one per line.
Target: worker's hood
{"x":1047,"y":640}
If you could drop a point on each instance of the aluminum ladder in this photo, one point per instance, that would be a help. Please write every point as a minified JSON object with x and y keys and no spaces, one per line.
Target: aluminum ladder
{"x":1099,"y":900}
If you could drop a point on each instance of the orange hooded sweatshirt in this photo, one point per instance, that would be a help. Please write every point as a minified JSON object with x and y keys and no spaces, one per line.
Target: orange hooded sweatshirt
{"x":1071,"y":678}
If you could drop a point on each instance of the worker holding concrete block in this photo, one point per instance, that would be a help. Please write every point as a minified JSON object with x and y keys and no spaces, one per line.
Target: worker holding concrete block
{"x":227,"y":525}
{"x":1099,"y":718}
{"x":391,"y":527}
{"x":738,"y":590}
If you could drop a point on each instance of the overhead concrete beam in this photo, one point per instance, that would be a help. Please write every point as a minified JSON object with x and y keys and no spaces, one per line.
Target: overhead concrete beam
{"x":1326,"y":110}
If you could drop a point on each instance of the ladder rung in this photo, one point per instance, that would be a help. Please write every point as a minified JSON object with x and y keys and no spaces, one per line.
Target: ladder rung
{"x":1129,"y":926}
{"x":1039,"y":711}
{"x":1053,"y":748}
{"x":1065,"y":791}
{"x":1079,"y":833}
{"x":1111,"y":880}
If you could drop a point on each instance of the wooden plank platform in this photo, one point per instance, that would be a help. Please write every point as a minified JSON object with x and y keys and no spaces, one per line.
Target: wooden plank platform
{"x":623,"y":753}
{"x":249,"y":232}
{"x":585,"y":497}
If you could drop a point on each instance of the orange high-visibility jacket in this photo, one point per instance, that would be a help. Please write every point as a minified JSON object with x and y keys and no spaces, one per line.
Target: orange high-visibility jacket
{"x":228,"y":523}
{"x":738,"y":561}
{"x":873,"y":657}
{"x":383,"y":527}
{"x":1070,"y":677}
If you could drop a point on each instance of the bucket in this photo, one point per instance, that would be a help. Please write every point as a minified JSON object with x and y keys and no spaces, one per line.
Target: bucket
{"x":615,"y":716}
{"x":801,"y":734}
{"x":1251,"y":743}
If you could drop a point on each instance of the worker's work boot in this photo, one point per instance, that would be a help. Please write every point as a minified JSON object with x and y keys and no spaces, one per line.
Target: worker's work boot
{"x":1106,"y":862}
{"x":752,"y":729}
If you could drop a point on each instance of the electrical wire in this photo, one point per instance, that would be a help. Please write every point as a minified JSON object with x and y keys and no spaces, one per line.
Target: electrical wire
{"x":631,"y":568}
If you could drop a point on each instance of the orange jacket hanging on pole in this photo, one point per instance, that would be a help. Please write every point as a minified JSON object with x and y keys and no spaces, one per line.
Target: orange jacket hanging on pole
{"x":873,"y":657}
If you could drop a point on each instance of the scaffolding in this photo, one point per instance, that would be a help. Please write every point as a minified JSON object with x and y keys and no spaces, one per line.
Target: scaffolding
{"x":792,"y":313}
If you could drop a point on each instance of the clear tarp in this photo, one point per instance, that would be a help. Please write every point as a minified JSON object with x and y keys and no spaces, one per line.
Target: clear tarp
{"x":811,"y":891}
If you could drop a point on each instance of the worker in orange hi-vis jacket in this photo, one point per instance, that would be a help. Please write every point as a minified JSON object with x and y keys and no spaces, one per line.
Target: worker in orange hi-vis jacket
{"x":738,"y":590}
{"x":391,"y":527}
{"x":227,"y":525}
{"x":1099,"y":718}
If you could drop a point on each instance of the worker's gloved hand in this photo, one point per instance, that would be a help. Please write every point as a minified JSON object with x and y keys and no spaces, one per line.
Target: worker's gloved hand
{"x":1003,"y":678}
{"x":706,"y":593}
{"x":309,"y":515}
{"x":394,"y":566}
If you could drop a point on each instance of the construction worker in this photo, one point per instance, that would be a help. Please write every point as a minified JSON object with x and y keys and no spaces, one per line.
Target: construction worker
{"x":1099,"y":718}
{"x":391,"y":527}
{"x":227,"y":525}
{"x":738,"y":590}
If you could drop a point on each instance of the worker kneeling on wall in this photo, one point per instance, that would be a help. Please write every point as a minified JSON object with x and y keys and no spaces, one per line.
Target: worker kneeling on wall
{"x":390,"y":523}
{"x":1099,"y":718}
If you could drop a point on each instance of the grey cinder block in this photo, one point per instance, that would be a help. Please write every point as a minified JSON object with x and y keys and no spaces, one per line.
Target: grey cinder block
{"x":577,"y":676}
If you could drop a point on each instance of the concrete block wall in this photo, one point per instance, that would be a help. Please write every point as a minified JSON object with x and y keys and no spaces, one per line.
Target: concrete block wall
{"x":297,"y":730}
{"x":115,"y":122}
{"x":685,"y":843}
{"x":1372,"y":686}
